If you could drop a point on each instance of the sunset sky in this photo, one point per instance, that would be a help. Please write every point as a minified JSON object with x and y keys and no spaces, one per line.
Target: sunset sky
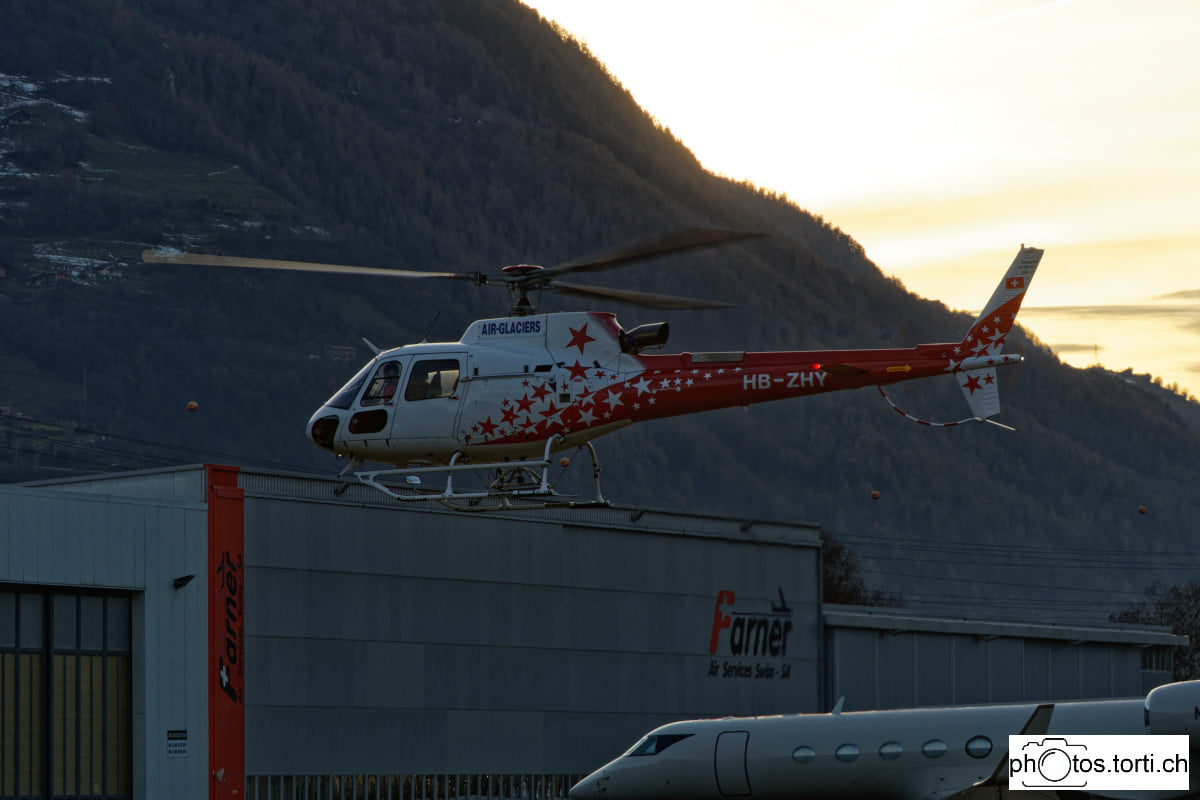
{"x":944,"y":134}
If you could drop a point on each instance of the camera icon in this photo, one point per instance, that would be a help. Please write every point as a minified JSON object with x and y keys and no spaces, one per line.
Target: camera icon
{"x":1049,"y":764}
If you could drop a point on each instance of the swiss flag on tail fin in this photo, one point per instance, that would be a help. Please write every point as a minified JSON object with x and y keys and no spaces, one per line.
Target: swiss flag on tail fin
{"x":996,"y":318}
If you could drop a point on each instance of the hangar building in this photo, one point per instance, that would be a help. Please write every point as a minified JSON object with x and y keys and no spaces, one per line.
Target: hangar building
{"x":209,"y":631}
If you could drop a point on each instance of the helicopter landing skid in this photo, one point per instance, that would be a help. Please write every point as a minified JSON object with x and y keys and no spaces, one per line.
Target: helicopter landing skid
{"x":510,"y":485}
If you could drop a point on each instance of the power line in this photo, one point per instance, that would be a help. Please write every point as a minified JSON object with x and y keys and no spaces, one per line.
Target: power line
{"x":78,"y":446}
{"x":982,"y":548}
{"x":202,"y":453}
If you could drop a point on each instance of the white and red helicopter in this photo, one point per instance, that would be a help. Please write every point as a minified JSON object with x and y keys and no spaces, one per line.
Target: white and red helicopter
{"x":514,"y":391}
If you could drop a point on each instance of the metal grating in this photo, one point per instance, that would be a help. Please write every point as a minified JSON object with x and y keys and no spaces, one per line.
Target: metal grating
{"x":411,"y":787}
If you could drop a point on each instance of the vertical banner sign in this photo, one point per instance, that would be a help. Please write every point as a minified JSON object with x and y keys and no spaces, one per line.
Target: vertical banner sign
{"x":226,"y":636}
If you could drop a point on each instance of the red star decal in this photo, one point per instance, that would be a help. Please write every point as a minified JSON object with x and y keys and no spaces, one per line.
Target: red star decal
{"x":580,"y":337}
{"x":510,"y":416}
{"x":972,"y":383}
{"x":989,"y":380}
{"x":577,"y":371}
{"x":525,"y":403}
{"x":550,"y":410}
{"x":539,"y":392}
{"x":487,"y":427}
{"x":570,"y":415}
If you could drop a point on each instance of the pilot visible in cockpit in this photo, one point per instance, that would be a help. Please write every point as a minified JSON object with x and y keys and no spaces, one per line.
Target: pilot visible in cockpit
{"x":383,"y":386}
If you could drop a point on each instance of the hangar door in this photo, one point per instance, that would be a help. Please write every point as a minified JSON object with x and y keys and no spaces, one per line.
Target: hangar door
{"x":64,"y":694}
{"x":730,"y":759}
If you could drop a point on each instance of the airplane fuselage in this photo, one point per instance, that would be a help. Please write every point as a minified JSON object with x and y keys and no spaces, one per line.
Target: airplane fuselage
{"x":890,"y":755}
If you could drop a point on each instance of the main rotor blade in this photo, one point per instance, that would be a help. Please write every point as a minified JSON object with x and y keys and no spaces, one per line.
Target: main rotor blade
{"x":641,"y":298}
{"x":675,"y":242}
{"x":202,"y":260}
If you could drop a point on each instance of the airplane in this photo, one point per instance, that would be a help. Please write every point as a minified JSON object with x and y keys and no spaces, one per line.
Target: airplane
{"x":949,"y":753}
{"x":513,"y":391}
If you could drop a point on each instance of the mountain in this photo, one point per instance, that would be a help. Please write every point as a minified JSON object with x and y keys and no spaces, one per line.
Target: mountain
{"x":454,"y":135}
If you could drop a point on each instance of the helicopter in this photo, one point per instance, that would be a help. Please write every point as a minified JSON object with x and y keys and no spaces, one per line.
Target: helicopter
{"x":515,"y":391}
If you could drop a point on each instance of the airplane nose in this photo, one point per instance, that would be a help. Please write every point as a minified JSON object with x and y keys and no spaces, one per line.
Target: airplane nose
{"x":592,"y":787}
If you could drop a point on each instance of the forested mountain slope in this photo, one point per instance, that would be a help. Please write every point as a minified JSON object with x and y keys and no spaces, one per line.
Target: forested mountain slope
{"x":462,"y":135}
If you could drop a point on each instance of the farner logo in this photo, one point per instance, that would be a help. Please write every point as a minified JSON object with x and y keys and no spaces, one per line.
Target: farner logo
{"x":750,"y":633}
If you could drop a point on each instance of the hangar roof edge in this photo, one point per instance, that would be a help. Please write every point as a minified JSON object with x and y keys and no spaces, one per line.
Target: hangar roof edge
{"x":320,"y":489}
{"x":898,"y":621}
{"x":188,"y":483}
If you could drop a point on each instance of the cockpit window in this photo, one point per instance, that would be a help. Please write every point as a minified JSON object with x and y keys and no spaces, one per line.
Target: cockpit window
{"x":655,"y":743}
{"x":345,"y":396}
{"x":432,"y":379}
{"x":383,"y":385}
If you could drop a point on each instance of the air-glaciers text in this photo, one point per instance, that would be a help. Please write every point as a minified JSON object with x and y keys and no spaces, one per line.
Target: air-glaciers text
{"x":509,"y":327}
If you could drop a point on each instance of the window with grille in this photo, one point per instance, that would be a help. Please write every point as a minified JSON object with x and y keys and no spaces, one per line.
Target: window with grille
{"x":64,"y":694}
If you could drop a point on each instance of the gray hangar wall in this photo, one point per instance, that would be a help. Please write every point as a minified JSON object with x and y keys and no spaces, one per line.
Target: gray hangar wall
{"x":101,"y":657}
{"x":231,"y":633}
{"x":890,"y":658}
{"x":413,"y":642}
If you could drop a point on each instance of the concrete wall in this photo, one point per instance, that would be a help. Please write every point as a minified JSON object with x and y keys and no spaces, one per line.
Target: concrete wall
{"x":60,"y":539}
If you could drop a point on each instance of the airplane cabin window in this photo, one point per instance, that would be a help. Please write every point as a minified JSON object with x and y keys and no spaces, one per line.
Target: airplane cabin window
{"x":934,"y":748}
{"x":890,"y":751}
{"x":846,"y":753}
{"x":653,"y":745}
{"x":432,"y":379}
{"x":979,"y":747}
{"x":803,"y":754}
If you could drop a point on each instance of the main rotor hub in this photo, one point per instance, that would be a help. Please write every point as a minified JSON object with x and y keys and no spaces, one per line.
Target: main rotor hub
{"x":520,"y":280}
{"x":521,"y":270}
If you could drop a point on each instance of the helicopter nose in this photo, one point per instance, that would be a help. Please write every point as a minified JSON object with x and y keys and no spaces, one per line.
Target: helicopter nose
{"x":322,"y":427}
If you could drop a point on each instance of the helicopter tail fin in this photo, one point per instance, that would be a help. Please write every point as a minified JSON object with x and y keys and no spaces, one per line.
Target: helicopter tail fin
{"x":984,"y":340}
{"x":982,"y":392}
{"x":987,"y":334}
{"x":976,"y":357}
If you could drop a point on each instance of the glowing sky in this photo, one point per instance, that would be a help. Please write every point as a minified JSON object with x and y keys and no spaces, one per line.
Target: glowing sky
{"x":943,"y":134}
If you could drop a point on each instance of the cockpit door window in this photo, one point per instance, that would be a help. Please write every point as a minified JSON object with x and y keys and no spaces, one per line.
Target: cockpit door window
{"x":382,"y":389}
{"x":433,"y":378}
